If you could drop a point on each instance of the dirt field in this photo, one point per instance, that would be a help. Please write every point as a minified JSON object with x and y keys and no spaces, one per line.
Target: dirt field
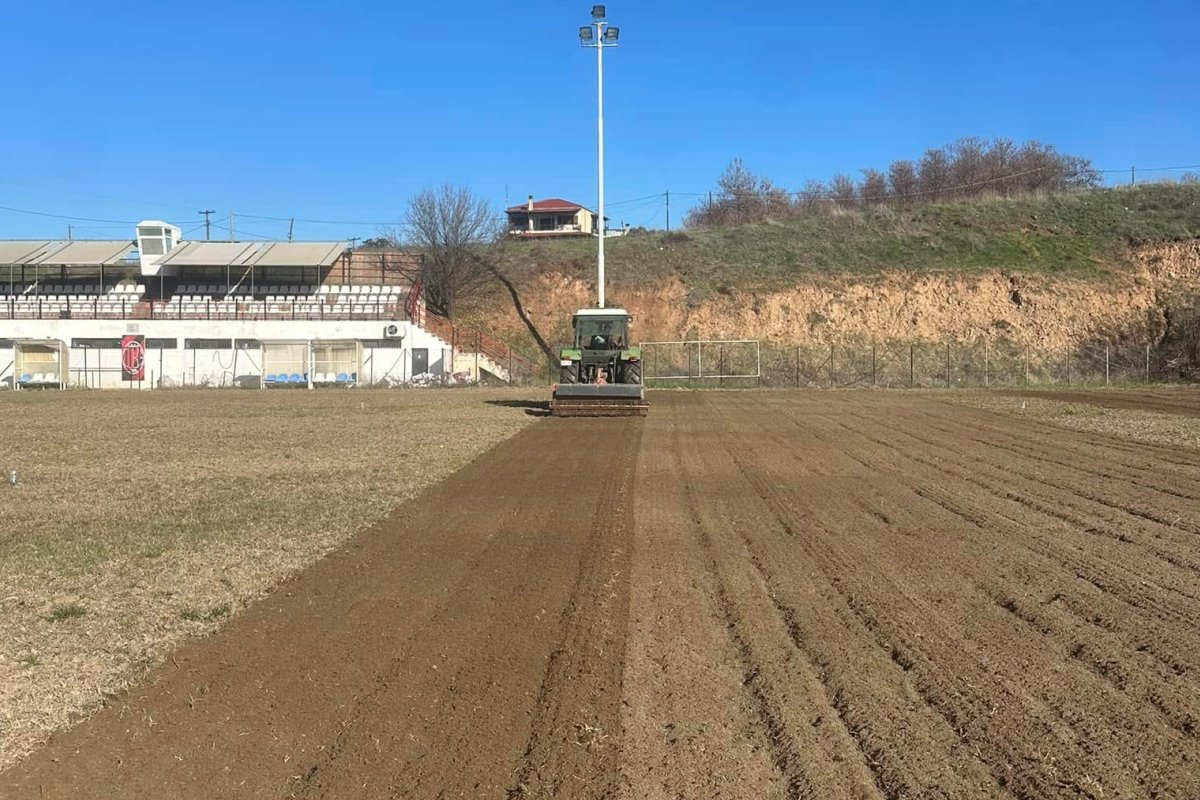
{"x":141,"y":519}
{"x":745,"y":595}
{"x":1183,"y":400}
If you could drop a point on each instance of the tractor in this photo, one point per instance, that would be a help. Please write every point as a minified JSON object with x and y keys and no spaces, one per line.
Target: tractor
{"x":601,"y":373}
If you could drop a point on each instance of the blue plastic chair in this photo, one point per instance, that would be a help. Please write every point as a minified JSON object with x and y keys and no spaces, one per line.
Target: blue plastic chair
{"x":26,"y":378}
{"x":269,"y":378}
{"x":295,"y":378}
{"x":343,"y":377}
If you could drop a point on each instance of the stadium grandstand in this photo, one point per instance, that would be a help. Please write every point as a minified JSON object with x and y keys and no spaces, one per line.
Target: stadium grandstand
{"x":158,"y":311}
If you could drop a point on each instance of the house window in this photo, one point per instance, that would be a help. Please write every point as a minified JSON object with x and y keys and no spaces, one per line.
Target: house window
{"x":545,"y":223}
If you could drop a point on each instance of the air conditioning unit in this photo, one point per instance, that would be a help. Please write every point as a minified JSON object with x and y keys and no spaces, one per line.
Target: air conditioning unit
{"x":392,"y":332}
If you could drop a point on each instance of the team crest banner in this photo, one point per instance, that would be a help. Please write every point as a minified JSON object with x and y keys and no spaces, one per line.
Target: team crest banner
{"x":133,"y":357}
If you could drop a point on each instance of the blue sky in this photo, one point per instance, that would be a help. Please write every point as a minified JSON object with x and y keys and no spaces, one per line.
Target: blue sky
{"x":340,"y":111}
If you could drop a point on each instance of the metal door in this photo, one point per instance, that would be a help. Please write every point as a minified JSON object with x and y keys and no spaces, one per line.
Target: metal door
{"x":420,"y":360}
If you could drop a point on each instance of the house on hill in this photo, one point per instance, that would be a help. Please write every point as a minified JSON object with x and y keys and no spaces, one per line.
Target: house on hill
{"x":551,"y":217}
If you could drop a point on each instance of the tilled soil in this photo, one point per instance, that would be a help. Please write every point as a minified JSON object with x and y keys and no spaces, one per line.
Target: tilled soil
{"x":745,"y":595}
{"x":1182,"y":400}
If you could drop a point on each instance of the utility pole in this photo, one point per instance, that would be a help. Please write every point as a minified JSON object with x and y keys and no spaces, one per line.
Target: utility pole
{"x":1132,"y":175}
{"x":601,"y":37}
{"x":207,"y":223}
{"x":69,"y":232}
{"x":291,"y":227}
{"x":668,"y":211}
{"x":231,"y":224}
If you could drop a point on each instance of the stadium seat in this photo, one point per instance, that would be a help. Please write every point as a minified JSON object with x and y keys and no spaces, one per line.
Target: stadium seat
{"x":295,"y":378}
{"x":26,"y":378}
{"x":343,"y":377}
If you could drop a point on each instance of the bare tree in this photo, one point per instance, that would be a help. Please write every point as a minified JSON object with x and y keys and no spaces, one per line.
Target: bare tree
{"x":450,"y":225}
{"x":874,"y":187}
{"x":902,"y":180}
{"x":934,"y":174}
{"x":460,"y":236}
{"x":843,"y":191}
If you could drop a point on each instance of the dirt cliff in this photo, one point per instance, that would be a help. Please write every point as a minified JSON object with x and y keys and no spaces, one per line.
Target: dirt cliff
{"x":1035,"y":309}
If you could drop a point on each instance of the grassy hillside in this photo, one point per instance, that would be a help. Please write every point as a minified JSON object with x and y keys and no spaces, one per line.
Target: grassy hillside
{"x":1082,"y":235}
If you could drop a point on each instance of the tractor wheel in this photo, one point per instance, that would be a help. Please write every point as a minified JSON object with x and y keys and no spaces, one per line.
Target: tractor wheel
{"x":568,"y":374}
{"x":633,"y":372}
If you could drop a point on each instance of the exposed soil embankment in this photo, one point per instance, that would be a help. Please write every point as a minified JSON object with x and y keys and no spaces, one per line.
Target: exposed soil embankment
{"x":1035,"y":309}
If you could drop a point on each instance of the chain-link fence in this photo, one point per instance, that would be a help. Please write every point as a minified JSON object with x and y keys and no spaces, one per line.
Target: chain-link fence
{"x":991,"y":363}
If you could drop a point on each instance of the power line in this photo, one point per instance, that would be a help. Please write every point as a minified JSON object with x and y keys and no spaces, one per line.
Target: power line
{"x":65,"y":216}
{"x":635,"y":203}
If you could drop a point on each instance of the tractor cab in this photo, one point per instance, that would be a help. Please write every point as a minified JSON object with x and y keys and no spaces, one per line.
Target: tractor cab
{"x":601,"y":329}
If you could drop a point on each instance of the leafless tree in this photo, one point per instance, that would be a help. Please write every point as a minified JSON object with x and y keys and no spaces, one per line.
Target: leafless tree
{"x":843,"y":191}
{"x":969,"y":167}
{"x":741,"y":197}
{"x":934,"y":174}
{"x":874,"y":187}
{"x":813,"y":198}
{"x":460,"y":235}
{"x":902,"y":180}
{"x":451,"y":226}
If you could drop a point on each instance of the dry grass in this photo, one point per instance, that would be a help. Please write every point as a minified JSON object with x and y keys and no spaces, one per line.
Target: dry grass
{"x":140,"y":519}
{"x":1140,"y":426}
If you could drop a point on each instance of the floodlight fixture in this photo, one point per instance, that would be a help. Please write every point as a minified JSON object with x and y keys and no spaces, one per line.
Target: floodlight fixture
{"x":597,"y":12}
{"x":611,"y":35}
{"x":586,"y":34}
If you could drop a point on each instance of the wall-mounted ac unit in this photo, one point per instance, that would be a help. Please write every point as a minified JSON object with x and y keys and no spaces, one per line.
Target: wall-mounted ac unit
{"x":392,"y":332}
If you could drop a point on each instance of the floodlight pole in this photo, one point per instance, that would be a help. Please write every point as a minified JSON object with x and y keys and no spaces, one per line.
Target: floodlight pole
{"x":599,"y":25}
{"x":598,"y":41}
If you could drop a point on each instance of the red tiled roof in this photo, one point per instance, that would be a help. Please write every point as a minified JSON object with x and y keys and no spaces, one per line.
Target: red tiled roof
{"x":551,"y":204}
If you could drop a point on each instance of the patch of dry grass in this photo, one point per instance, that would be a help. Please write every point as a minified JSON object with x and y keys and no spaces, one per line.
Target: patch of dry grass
{"x":142,"y":518}
{"x":1141,"y":426}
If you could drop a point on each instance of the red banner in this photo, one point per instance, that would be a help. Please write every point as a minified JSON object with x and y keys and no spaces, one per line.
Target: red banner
{"x":133,"y":357}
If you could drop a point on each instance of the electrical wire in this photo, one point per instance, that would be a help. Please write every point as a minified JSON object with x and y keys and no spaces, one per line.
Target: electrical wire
{"x":633,"y":203}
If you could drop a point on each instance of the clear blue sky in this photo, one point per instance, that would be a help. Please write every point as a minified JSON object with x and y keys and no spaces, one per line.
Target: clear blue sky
{"x":341,"y":111}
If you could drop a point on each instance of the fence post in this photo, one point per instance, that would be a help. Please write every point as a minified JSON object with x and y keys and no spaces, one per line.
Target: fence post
{"x":1068,"y":365}
{"x":1147,"y":363}
{"x":873,"y":364}
{"x":987,"y":378}
{"x":1026,"y":365}
{"x":911,"y":355}
{"x":947,"y":365}
{"x":1107,"y":381}
{"x":797,"y":366}
{"x":832,"y":374}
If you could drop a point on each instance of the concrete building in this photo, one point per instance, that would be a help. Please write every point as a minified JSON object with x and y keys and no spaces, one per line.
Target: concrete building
{"x":157,"y":311}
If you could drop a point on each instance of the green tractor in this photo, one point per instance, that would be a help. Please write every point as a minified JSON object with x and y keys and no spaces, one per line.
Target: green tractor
{"x":601,"y":373}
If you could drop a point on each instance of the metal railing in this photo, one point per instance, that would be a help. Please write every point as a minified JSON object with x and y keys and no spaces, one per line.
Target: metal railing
{"x":254,"y":310}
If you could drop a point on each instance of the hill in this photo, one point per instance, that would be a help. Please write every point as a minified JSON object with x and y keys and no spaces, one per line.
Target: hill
{"x":1045,"y":269}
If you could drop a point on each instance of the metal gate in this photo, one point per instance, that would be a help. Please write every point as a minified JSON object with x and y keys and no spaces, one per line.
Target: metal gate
{"x":702,"y":360}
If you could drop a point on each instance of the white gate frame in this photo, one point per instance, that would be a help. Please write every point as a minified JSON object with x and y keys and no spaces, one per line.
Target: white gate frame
{"x":700,"y":343}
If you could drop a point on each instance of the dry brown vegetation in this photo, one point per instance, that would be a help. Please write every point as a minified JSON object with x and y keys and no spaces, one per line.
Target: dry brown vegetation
{"x":1066,"y":409}
{"x":141,"y":519}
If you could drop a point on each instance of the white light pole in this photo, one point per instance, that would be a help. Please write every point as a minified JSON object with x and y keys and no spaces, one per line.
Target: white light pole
{"x":599,"y":35}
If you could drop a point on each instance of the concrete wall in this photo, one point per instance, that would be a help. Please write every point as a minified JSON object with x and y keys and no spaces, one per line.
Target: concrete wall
{"x":207,"y":366}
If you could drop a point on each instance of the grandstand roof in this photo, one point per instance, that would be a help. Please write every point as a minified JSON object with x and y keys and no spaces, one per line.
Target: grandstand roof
{"x":254,"y":254}
{"x":64,"y":252}
{"x":299,"y":254}
{"x":210,"y":254}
